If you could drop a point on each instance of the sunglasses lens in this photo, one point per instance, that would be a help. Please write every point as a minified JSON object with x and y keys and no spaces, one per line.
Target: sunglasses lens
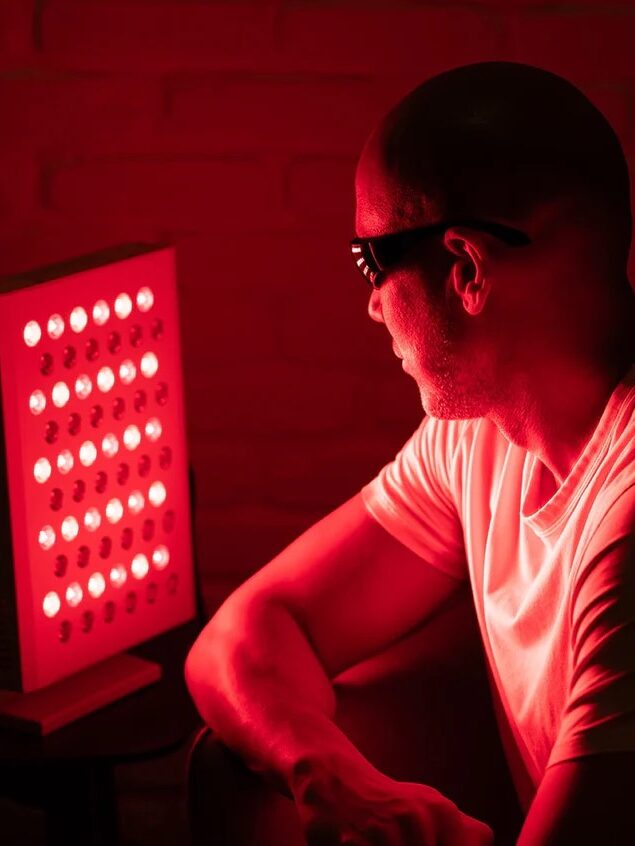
{"x":365,"y":263}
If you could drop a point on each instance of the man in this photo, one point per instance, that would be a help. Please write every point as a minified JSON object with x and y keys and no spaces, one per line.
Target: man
{"x":508,"y":302}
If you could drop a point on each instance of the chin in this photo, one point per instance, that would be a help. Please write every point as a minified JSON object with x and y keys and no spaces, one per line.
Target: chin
{"x":431,"y":408}
{"x":448,"y":393}
{"x":429,"y":402}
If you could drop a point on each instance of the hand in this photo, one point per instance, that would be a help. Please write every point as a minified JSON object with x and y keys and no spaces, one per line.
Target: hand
{"x":364,"y":807}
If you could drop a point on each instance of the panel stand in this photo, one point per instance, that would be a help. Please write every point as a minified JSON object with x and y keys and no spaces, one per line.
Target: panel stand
{"x":43,"y":711}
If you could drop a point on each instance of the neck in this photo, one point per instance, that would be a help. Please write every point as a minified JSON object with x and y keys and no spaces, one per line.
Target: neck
{"x":555,"y":405}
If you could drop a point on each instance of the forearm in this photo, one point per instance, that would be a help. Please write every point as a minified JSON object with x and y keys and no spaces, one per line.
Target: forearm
{"x":258,"y":683}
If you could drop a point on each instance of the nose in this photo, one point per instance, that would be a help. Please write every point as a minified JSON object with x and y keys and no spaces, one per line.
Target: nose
{"x":374,"y":306}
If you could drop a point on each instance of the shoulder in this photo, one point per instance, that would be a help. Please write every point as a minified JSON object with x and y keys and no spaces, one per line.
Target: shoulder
{"x":607,"y":566}
{"x":453,"y":446}
{"x":476,"y":442}
{"x":449,"y":435}
{"x":610,"y":518}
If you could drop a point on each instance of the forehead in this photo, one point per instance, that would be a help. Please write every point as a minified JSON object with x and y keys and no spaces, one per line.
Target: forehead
{"x":386,"y":201}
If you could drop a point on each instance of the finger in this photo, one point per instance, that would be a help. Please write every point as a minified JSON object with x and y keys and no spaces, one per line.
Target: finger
{"x":478,"y":833}
{"x":327,"y":834}
{"x":372,"y":836}
{"x":417,"y":829}
{"x":389,"y":832}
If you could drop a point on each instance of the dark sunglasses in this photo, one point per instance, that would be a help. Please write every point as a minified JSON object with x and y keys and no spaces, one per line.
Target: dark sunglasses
{"x":374,"y":257}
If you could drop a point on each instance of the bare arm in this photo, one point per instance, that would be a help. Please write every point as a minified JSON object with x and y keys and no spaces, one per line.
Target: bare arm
{"x":260,"y":671}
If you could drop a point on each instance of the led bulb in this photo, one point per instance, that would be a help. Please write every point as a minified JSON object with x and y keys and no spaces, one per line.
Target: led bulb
{"x":70,"y":528}
{"x":55,"y":326}
{"x":46,"y":537}
{"x":60,"y":394}
{"x":118,"y":575}
{"x":96,"y":585}
{"x":37,"y":402}
{"x":87,"y":453}
{"x":161,"y":557}
{"x":136,"y":501}
{"x":105,"y":379}
{"x":153,"y":429}
{"x":42,"y":470}
{"x":65,"y":461}
{"x":131,"y":437}
{"x":32,"y":333}
{"x":145,"y":299}
{"x":51,"y":604}
{"x":110,"y":445}
{"x":92,"y":519}
{"x":114,"y":510}
{"x":149,"y":364}
{"x":123,"y":306}
{"x":74,"y":594}
{"x":157,"y":493}
{"x":101,"y":312}
{"x":139,"y":566}
{"x":127,"y":371}
{"x":78,"y":319}
{"x":83,"y":386}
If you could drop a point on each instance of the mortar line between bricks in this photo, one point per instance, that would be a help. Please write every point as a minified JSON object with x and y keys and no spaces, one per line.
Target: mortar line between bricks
{"x":36,"y":25}
{"x":161,"y":158}
{"x":586,"y":9}
{"x":273,"y":75}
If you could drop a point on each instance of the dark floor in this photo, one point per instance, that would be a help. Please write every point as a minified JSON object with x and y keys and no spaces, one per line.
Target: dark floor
{"x":151,"y":801}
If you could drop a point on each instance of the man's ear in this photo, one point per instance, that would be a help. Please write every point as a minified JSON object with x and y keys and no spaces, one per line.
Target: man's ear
{"x":468,"y":271}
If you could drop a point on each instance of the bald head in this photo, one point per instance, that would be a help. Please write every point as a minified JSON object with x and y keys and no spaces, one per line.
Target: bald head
{"x":498,"y":141}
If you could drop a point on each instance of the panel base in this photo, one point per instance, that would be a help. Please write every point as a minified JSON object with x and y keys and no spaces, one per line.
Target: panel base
{"x":43,"y":711}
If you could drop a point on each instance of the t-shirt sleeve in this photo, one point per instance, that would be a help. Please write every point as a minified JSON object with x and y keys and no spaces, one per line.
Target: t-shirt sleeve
{"x":600,"y":710}
{"x":411,"y":498}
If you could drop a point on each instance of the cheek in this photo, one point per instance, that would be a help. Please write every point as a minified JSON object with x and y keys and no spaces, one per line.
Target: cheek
{"x":404,"y":306}
{"x":414,"y":319}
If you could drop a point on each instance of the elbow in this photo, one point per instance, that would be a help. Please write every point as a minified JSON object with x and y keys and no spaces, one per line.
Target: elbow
{"x":191,"y":668}
{"x":210,"y":653}
{"x":193,"y":671}
{"x":203,"y":678}
{"x":202,"y":665}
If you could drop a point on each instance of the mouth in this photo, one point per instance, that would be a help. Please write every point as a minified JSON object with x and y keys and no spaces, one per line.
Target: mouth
{"x":395,"y":349}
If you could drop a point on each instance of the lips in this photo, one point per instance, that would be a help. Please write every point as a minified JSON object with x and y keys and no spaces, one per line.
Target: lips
{"x":395,"y":349}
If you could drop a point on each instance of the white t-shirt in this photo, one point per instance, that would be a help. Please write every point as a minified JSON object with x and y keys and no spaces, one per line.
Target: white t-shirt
{"x":556,"y":614}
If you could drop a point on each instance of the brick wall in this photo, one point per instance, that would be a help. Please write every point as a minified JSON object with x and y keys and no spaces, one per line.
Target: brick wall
{"x":231,"y":129}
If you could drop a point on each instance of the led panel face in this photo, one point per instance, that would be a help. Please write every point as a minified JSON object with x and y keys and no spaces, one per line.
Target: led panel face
{"x":96,"y":463}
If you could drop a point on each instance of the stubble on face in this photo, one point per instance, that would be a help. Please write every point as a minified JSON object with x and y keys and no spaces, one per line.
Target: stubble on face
{"x":452,"y":378}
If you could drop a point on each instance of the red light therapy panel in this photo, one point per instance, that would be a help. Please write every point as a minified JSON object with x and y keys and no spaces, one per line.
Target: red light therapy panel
{"x":96,"y":465}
